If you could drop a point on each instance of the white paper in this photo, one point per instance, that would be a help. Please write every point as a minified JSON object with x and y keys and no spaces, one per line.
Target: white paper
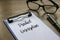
{"x":32,"y":28}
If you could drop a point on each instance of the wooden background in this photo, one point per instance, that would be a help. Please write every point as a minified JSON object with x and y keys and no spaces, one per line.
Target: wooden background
{"x":10,"y":8}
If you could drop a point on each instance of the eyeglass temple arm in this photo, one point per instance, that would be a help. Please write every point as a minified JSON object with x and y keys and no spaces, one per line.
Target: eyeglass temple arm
{"x":54,"y":4}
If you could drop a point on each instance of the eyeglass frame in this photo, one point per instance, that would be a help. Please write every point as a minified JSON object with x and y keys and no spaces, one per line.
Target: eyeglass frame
{"x":55,"y":5}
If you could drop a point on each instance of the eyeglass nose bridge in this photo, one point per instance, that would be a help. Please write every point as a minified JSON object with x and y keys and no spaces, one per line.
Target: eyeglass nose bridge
{"x":55,"y":4}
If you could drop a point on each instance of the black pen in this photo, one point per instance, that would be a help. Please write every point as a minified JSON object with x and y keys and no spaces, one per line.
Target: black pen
{"x":53,"y":22}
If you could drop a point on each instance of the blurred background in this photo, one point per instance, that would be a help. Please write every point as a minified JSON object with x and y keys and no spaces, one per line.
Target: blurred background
{"x":10,"y":8}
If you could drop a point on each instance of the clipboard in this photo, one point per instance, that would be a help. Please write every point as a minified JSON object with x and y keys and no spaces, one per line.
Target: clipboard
{"x":28,"y":26}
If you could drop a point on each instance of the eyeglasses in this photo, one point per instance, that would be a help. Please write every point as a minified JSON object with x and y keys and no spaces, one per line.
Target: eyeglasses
{"x":48,"y":9}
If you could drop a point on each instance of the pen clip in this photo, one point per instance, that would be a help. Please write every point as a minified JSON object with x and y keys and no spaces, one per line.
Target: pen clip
{"x":15,"y":18}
